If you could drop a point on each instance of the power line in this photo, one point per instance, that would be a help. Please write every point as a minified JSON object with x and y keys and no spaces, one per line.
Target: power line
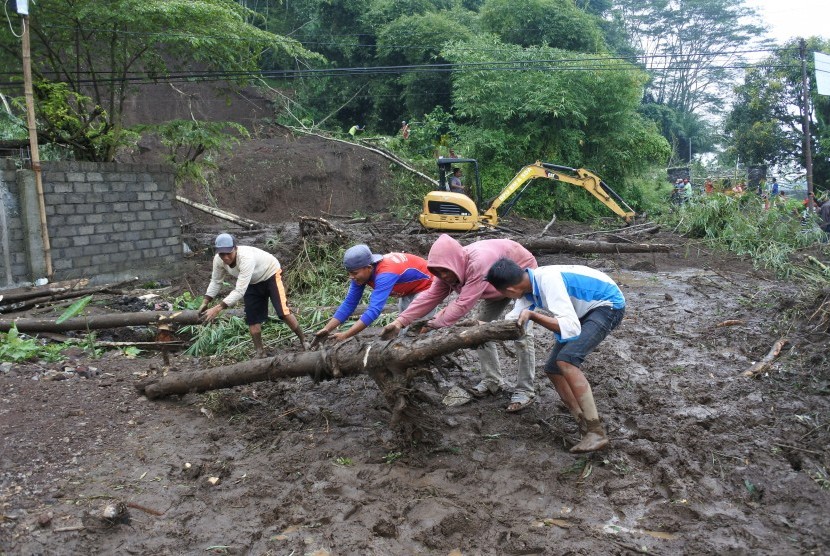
{"x":288,"y":38}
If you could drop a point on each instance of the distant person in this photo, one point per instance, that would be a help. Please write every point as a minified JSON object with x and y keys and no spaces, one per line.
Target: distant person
{"x":405,"y":130}
{"x":824,"y":213}
{"x":398,"y":275}
{"x":355,"y":129}
{"x":738,"y":188}
{"x":461,"y":270}
{"x":708,"y":186}
{"x":257,"y":281}
{"x":687,"y":189}
{"x":455,"y":181}
{"x":677,"y":192}
{"x":586,"y":305}
{"x":774,"y":188}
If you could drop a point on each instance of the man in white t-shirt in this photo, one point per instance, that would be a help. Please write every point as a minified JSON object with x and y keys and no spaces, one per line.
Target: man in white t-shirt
{"x":258,"y":280}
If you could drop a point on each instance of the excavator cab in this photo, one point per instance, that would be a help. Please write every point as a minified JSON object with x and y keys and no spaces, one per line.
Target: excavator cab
{"x":447,"y":210}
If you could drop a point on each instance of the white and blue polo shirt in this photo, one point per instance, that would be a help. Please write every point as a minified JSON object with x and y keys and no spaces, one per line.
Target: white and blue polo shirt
{"x":569,"y":292}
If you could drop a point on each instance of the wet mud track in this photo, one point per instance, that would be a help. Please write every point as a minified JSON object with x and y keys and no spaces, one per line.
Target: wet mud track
{"x":702,"y":460}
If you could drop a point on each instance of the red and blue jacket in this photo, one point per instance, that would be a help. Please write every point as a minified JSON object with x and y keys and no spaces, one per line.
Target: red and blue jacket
{"x":397,"y":274}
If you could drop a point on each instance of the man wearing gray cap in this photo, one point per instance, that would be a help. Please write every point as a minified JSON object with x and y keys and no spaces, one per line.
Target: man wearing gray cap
{"x":258,"y":279}
{"x":400,"y":275}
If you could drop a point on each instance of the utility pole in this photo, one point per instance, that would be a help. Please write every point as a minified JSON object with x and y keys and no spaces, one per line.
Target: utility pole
{"x":32,"y":124}
{"x":805,"y":121}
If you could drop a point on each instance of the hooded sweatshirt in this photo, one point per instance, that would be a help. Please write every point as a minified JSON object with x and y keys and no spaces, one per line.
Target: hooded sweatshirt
{"x":470,"y":264}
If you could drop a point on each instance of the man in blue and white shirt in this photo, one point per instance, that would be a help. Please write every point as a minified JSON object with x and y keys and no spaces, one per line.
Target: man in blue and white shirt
{"x":586,"y":306}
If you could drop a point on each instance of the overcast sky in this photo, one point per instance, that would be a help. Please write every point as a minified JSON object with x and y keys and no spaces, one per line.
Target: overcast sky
{"x":794,"y":18}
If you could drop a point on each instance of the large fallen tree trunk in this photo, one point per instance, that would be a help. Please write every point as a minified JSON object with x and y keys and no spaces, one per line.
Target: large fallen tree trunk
{"x":392,"y":364}
{"x":361,"y":354}
{"x":563,"y":245}
{"x":97,"y":322}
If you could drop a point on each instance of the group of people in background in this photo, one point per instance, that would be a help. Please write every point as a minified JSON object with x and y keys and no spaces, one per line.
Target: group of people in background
{"x":579,"y":304}
{"x":769,"y":192}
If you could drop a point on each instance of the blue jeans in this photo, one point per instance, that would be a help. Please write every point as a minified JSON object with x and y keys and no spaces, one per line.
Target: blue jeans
{"x":596,"y":325}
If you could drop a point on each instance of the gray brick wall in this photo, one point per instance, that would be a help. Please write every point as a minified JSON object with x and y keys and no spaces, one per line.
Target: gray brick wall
{"x":16,"y":256}
{"x":106,"y":221}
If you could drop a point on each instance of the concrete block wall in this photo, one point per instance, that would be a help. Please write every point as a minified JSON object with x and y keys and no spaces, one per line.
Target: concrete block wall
{"x":13,"y":264}
{"x":107,"y":221}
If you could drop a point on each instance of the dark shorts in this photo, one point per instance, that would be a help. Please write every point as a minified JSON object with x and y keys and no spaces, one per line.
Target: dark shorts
{"x":596,"y":325}
{"x":257,"y":296}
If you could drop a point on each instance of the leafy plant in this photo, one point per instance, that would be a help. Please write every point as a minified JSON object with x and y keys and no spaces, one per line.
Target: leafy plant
{"x":344,"y":461}
{"x":116,"y":42}
{"x":187,"y":301}
{"x":74,"y":310}
{"x":131,"y":352}
{"x":741,"y":225}
{"x":192,"y":145}
{"x":392,"y":457}
{"x":14,"y":348}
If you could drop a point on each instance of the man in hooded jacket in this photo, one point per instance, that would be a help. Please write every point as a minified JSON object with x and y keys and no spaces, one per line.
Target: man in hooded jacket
{"x":463,"y":269}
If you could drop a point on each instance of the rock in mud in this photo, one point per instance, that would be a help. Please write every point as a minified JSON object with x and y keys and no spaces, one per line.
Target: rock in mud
{"x":456,"y":396}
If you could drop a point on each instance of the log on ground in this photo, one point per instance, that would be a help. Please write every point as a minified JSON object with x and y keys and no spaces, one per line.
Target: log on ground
{"x":97,"y":322}
{"x":357,"y":355}
{"x":392,"y":365}
{"x":564,"y":245}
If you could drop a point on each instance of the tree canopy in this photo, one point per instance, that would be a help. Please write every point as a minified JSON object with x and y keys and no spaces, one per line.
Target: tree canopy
{"x":764,"y":125}
{"x":88,"y":56}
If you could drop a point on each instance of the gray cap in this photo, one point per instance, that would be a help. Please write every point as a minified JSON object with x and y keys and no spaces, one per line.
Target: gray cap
{"x":359,"y":256}
{"x":224,"y":243}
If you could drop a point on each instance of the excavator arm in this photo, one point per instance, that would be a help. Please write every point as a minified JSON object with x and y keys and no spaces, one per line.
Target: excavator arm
{"x":445,"y":210}
{"x":594,"y":185}
{"x":574,"y":176}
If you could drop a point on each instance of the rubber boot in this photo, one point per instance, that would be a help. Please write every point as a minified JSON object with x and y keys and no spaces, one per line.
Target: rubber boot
{"x":260,"y":352}
{"x":593,"y":440}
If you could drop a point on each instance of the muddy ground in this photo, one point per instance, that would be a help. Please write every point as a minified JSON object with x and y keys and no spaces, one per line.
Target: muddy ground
{"x":702,"y":460}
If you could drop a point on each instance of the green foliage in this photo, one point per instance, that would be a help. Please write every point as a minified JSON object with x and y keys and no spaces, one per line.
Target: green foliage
{"x":552,"y":112}
{"x":131,"y":352}
{"x":742,"y":226}
{"x":14,"y":348}
{"x":187,"y":301}
{"x":687,"y":40}
{"x":433,"y":131}
{"x":97,"y":50}
{"x":315,"y":270}
{"x":74,"y":310}
{"x":392,"y":457}
{"x":557,"y":23}
{"x":764,"y":126}
{"x":417,"y":39}
{"x":70,"y":118}
{"x":192,"y":145}
{"x":228,"y":336}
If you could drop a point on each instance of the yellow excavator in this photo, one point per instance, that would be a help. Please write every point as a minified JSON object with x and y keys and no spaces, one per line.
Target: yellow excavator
{"x":451,"y":211}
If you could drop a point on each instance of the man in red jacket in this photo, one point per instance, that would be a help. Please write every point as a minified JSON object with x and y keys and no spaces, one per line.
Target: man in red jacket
{"x":400,"y":275}
{"x":463,"y":270}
